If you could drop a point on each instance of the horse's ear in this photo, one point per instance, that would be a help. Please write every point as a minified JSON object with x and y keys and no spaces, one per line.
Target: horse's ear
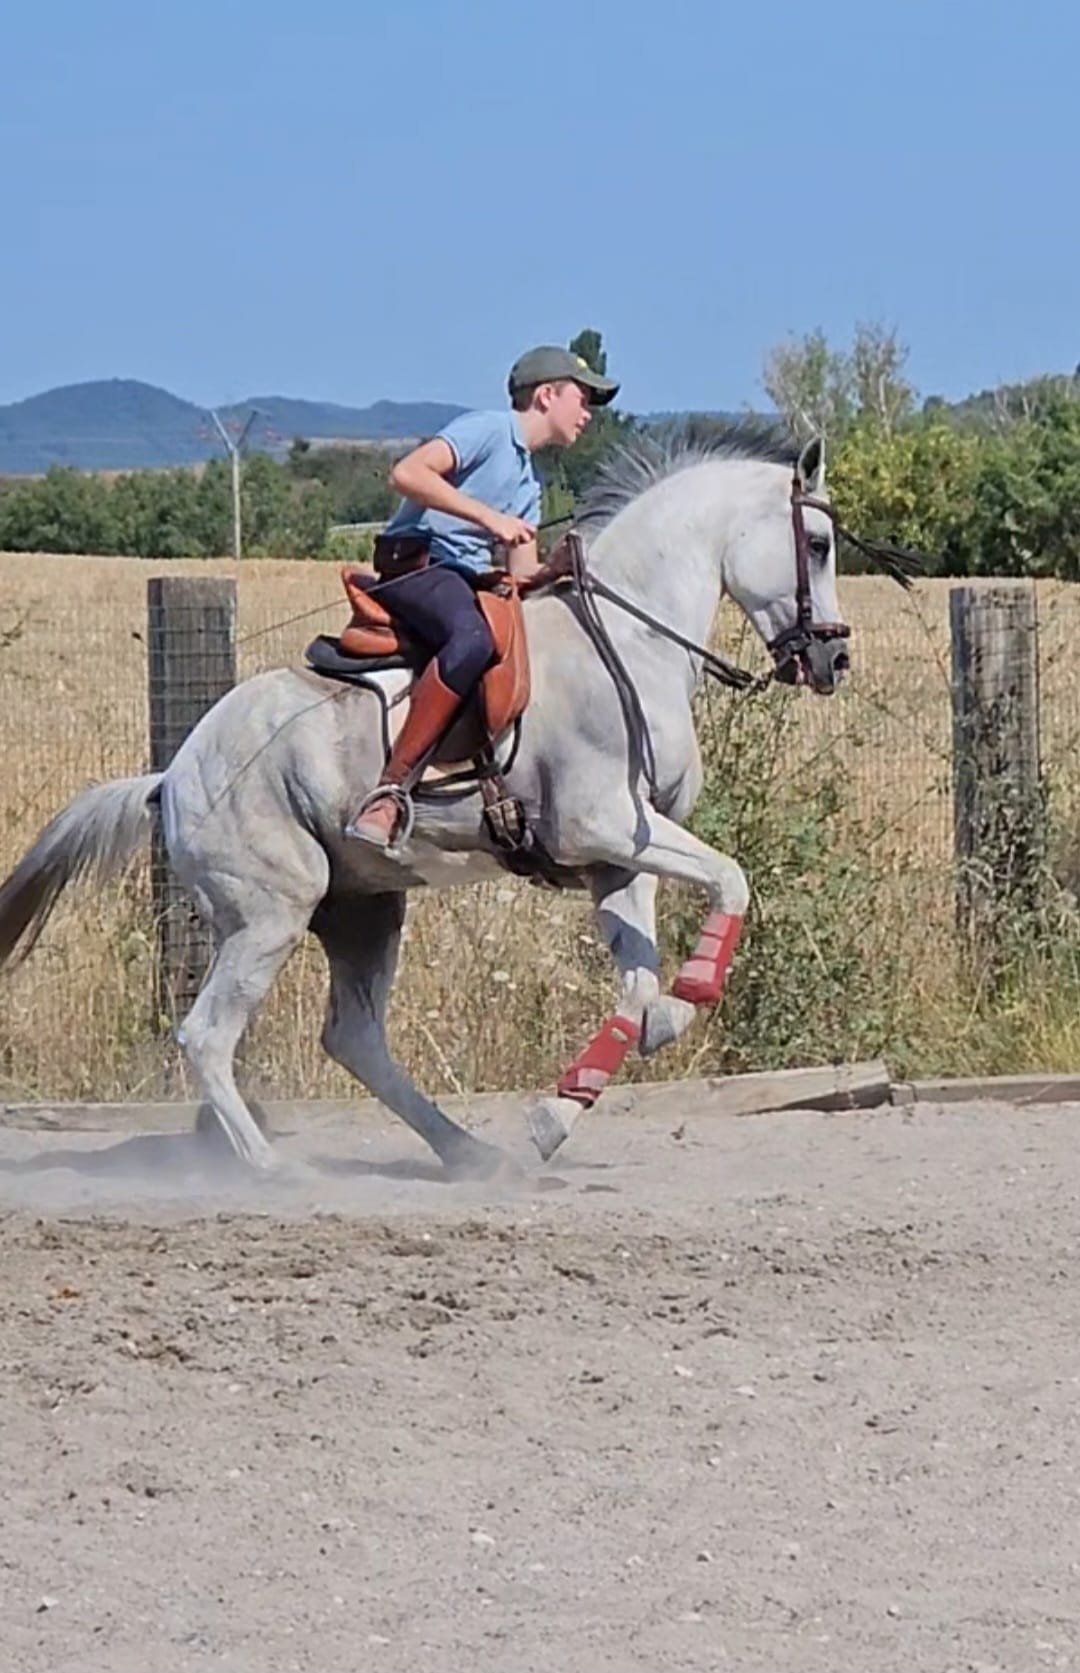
{"x":811,"y":467}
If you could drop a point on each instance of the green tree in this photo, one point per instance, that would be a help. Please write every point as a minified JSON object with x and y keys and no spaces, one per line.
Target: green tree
{"x":916,"y":487}
{"x":589,"y":344}
{"x":355,"y":479}
{"x":1026,"y":517}
{"x":155,"y":514}
{"x":214,"y":509}
{"x":824,"y":391}
{"x":264,"y":503}
{"x":63,"y":511}
{"x":810,"y":384}
{"x":976,"y":501}
{"x":883,"y":395}
{"x":167,"y":514}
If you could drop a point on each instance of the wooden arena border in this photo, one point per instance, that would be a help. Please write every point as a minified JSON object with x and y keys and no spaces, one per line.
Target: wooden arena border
{"x":838,"y":1087}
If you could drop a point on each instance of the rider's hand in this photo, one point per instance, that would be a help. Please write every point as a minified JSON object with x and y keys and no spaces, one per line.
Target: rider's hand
{"x":510,"y":531}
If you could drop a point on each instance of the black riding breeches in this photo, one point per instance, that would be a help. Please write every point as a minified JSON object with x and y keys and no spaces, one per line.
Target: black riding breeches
{"x":438,"y":605}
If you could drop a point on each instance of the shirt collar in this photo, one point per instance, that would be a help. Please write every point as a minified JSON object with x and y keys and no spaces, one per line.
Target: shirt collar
{"x":516,"y":431}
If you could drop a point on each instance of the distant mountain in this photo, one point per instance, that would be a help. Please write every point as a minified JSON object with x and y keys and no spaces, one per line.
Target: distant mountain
{"x":101,"y":426}
{"x":122,"y":424}
{"x":322,"y":420}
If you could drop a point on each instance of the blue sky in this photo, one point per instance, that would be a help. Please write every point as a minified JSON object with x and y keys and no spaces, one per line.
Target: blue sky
{"x":348,"y":199}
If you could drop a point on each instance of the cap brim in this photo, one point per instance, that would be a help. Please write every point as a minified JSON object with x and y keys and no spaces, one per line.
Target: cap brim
{"x":601,"y":390}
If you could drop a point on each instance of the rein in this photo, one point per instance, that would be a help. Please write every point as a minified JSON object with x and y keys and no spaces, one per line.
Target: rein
{"x":727,"y":673}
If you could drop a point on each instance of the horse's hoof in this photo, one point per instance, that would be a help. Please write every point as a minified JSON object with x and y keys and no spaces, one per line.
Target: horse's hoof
{"x":665,"y":1021}
{"x":473,"y":1159}
{"x":212,"y":1146}
{"x":550,"y":1122}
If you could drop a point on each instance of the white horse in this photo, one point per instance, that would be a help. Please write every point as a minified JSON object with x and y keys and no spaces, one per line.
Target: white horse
{"x":254,"y":803}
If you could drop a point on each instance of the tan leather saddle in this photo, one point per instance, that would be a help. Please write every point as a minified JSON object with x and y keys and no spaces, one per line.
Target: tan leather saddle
{"x":374,"y":635}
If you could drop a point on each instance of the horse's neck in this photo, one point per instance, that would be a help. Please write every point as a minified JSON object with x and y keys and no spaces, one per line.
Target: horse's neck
{"x":666,"y":550}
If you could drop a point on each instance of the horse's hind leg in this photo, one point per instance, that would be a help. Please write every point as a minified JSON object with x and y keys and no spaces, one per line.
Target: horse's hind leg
{"x":248,"y":958}
{"x":361,"y":936}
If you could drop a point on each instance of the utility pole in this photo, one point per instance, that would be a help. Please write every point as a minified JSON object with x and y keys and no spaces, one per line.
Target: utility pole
{"x":234,"y":446}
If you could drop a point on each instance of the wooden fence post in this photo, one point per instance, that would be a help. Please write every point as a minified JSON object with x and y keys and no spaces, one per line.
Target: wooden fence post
{"x":997,"y":782}
{"x":191,"y":641}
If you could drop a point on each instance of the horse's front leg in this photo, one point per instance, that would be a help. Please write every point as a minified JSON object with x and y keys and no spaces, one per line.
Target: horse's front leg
{"x":626,"y":916}
{"x":675,"y":853}
{"x":625,"y":904}
{"x":625,"y":896}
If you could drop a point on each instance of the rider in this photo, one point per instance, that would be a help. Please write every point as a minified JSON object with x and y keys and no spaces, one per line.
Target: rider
{"x":468,"y":489}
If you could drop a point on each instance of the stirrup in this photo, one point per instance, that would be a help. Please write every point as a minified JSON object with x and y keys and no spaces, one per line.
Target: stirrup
{"x":400,"y":832}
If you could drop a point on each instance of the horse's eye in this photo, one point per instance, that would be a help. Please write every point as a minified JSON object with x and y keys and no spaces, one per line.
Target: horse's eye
{"x":819,"y":545}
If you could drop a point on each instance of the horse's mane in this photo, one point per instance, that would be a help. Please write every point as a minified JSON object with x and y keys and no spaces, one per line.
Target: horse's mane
{"x":650,"y":456}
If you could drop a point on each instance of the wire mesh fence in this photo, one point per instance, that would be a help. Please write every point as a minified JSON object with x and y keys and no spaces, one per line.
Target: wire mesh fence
{"x":499,"y":981}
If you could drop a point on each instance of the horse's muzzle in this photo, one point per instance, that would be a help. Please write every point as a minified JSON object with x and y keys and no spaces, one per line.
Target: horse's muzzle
{"x":817,"y":657}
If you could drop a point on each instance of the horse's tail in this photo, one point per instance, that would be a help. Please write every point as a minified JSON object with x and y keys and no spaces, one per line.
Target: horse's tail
{"x":95,"y":835}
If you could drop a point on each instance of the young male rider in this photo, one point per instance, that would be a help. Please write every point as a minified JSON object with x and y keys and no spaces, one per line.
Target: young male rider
{"x":470,"y":488}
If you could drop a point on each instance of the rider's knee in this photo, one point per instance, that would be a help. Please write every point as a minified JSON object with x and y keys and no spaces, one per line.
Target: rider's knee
{"x":466,"y":655}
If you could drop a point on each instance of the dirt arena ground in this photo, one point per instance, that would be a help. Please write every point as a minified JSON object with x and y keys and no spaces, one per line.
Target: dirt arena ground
{"x":783,"y":1392}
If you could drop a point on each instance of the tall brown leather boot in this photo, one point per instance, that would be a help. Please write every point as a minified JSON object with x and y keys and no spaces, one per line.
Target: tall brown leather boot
{"x":431,"y":709}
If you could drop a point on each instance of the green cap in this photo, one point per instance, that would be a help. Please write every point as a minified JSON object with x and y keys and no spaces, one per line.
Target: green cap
{"x":552,"y":365}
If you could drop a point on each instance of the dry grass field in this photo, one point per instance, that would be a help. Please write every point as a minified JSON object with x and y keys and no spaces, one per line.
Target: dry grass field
{"x":499,"y":983}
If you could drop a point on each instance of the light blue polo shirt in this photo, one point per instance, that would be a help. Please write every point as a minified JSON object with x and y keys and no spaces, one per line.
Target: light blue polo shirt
{"x":492,"y":464}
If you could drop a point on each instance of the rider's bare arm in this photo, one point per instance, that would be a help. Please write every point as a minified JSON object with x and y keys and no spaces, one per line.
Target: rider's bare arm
{"x":421,"y":477}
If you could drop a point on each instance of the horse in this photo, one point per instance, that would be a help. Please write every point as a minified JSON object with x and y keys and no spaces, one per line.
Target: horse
{"x":605,"y":765}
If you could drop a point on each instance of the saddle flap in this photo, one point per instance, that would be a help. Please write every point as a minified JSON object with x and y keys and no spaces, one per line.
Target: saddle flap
{"x":506,"y":685}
